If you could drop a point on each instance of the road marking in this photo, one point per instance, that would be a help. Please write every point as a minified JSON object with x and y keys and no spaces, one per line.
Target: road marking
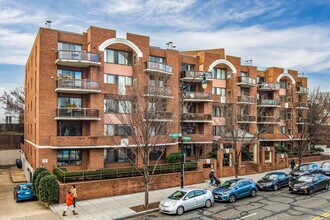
{"x":247,"y":216}
{"x":325,"y":215}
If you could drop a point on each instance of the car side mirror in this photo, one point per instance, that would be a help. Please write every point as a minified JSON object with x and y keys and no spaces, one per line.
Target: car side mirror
{"x":186,"y":198}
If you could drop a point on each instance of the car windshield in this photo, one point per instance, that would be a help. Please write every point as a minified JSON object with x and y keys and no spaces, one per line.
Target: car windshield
{"x":326,"y":165}
{"x":26,"y":187}
{"x":177,"y":195}
{"x":270,"y":177}
{"x":305,"y":179}
{"x":229,"y":184}
{"x":302,"y":168}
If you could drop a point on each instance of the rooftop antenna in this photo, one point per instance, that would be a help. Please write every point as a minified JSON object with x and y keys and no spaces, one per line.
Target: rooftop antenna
{"x":48,"y":24}
{"x":170,"y":45}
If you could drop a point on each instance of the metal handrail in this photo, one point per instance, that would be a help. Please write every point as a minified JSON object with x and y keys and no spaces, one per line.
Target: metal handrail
{"x":245,"y":79}
{"x":158,"y":90}
{"x":302,"y":89}
{"x":269,"y":102}
{"x":158,"y":66}
{"x":83,"y":84}
{"x":268,"y":119}
{"x":78,"y":55}
{"x":247,"y":99}
{"x":77,"y":112}
{"x":197,"y":95}
{"x":274,"y":86}
{"x":196,"y":74}
{"x":246,"y":118}
{"x":196,"y":116}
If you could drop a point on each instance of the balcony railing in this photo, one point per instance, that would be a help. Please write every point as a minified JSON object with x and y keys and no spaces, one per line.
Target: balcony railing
{"x":301,"y":89}
{"x":196,"y":75}
{"x":196,"y":117}
{"x":269,"y":86}
{"x":159,"y":116}
{"x":269,"y":102}
{"x":301,"y":105}
{"x":246,"y":81}
{"x":197,"y":96}
{"x":77,"y":114}
{"x":159,"y":67}
{"x":268,"y":119}
{"x":77,"y":58}
{"x":247,"y":99}
{"x":158,"y":91}
{"x":301,"y":120}
{"x":245,"y":118}
{"x":77,"y":86}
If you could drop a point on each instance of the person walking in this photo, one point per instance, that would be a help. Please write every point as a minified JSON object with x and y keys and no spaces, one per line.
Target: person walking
{"x":69,"y":204}
{"x":292,"y":164}
{"x":73,"y":191}
{"x":211,"y":176}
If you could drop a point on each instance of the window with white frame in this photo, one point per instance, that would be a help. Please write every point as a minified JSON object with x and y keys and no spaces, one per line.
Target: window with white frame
{"x":118,"y":57}
{"x":117,"y":130}
{"x":117,"y":79}
{"x":187,"y":67}
{"x":283,"y":129}
{"x":218,"y":111}
{"x":219,"y":91}
{"x":219,"y":73}
{"x":218,"y":130}
{"x":156,"y":59}
{"x":68,"y":46}
{"x":114,"y":155}
{"x":244,"y":74}
{"x":117,"y":106}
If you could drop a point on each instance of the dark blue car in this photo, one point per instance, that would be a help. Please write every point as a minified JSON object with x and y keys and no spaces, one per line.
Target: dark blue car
{"x":274,"y":181}
{"x":235,"y":189}
{"x":309,"y":183}
{"x":23,"y":192}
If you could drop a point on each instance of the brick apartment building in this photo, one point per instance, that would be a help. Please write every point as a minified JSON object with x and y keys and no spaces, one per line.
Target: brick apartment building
{"x":71,"y":70}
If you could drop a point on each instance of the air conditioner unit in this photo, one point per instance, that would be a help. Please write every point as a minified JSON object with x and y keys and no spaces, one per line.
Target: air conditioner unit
{"x":286,"y":105}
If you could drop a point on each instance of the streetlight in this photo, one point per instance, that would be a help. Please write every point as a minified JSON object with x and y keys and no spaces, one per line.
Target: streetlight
{"x":182,"y":88}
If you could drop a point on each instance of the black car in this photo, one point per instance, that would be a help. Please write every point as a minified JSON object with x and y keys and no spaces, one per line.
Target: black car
{"x":309,"y":183}
{"x":274,"y":181}
{"x":308,"y":168}
{"x":325,"y":168}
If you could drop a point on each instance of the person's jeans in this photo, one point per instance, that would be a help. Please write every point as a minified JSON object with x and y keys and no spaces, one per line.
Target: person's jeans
{"x":211,"y":182}
{"x":74,"y":202}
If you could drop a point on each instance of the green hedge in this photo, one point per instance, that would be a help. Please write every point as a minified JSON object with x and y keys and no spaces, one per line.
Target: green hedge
{"x":72,"y":176}
{"x":174,"y":157}
{"x":37,"y":182}
{"x":48,"y":189}
{"x":34,"y":177}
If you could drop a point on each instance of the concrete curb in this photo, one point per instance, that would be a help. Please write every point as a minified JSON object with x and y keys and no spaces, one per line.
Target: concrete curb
{"x":138,"y":214}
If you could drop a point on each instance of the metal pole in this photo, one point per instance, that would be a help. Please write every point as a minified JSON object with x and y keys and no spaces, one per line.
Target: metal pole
{"x":182,"y":163}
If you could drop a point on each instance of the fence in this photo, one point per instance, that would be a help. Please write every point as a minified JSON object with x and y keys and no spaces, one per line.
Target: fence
{"x":66,"y":176}
{"x":12,"y":128}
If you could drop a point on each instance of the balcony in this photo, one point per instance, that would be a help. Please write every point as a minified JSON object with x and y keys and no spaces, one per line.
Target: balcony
{"x":301,"y":120}
{"x":197,"y":97}
{"x":86,"y":114}
{"x":302,"y":90}
{"x":268,"y":120}
{"x":246,"y":100}
{"x":158,"y":91}
{"x":197,"y":117}
{"x":301,"y":105}
{"x":244,"y":81}
{"x":269,"y":103}
{"x":246,"y":119}
{"x":154,"y":67}
{"x":77,"y":58}
{"x":158,"y":116}
{"x":195,"y":76}
{"x":77,"y":86}
{"x":269,"y":87}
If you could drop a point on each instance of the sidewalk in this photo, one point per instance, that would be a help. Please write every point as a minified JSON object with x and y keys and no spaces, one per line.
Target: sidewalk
{"x":119,"y":206}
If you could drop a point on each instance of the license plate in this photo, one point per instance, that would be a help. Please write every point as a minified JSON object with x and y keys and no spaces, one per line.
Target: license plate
{"x":294,"y":189}
{"x":26,"y":193}
{"x":216,"y":196}
{"x":327,"y":172}
{"x":261,"y":187}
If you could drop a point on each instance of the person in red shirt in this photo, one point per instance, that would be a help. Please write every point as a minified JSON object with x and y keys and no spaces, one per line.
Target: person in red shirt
{"x":69,"y":204}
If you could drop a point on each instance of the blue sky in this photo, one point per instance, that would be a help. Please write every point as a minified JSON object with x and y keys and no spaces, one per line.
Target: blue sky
{"x":293,"y":34}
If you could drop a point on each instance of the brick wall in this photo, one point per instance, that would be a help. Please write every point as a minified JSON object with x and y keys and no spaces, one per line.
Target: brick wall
{"x":113,"y":187}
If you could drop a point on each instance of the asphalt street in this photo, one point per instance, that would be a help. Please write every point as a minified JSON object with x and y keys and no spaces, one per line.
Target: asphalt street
{"x":269,"y":205}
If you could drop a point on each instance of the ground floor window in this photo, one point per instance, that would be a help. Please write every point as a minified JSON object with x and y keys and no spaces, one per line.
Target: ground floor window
{"x":68,"y":157}
{"x":114,"y":155}
{"x":267,"y":156}
{"x":189,"y":150}
{"x":155,"y":154}
{"x":226,"y":160}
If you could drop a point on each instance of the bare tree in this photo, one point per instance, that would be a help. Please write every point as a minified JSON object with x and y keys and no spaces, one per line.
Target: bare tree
{"x":148,"y":114}
{"x":14,"y":101}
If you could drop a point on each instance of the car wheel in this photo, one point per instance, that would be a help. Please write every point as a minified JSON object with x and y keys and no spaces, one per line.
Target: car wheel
{"x":326,"y":186}
{"x":253,"y":193}
{"x":180,"y":210}
{"x":275,"y":187}
{"x":208,"y":203}
{"x":311,"y":191}
{"x":17,"y":199}
{"x":232,"y":198}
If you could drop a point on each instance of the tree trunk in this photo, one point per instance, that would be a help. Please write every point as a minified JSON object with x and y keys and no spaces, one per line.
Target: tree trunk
{"x":236,"y":164}
{"x":146,"y":186}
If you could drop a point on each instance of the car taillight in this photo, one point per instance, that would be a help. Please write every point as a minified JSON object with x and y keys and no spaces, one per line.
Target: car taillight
{"x":18,"y":192}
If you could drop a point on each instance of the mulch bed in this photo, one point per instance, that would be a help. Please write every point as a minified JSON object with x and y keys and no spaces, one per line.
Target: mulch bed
{"x":141,"y":208}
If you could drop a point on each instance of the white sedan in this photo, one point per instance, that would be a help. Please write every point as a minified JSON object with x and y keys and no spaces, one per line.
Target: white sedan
{"x":186,"y":199}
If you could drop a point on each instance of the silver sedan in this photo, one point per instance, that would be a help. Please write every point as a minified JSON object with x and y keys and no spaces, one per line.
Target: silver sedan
{"x":186,"y":199}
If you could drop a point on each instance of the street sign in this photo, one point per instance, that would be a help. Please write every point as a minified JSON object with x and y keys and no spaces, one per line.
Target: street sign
{"x":175,"y":135}
{"x":44,"y":161}
{"x":186,"y":138}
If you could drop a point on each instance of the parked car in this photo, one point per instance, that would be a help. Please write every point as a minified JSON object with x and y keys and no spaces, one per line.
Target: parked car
{"x":308,"y":168}
{"x":309,"y":183}
{"x":274,"y":181}
{"x":325,"y":168}
{"x":235,"y":189}
{"x":23,"y":192}
{"x":186,"y":199}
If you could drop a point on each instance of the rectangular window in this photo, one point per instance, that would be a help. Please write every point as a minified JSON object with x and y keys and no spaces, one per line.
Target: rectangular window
{"x":117,"y":79}
{"x":117,"y":130}
{"x":226,"y":160}
{"x":187,"y":67}
{"x":157,"y":59}
{"x":218,"y":111}
{"x":118,"y":57}
{"x":260,"y":79}
{"x":289,"y":131}
{"x":68,"y":157}
{"x":156,"y":154}
{"x":117,"y":106}
{"x":282,"y":84}
{"x":218,"y":130}
{"x":288,"y":116}
{"x":288,"y":85}
{"x":69,"y":129}
{"x":282,"y":98}
{"x":244,"y":74}
{"x":189,"y":150}
{"x":69,"y":74}
{"x":69,"y":46}
{"x":219,"y":73}
{"x":267,"y":156}
{"x":219,"y":91}
{"x":69,"y":102}
{"x":118,"y":155}
{"x":283,"y":129}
